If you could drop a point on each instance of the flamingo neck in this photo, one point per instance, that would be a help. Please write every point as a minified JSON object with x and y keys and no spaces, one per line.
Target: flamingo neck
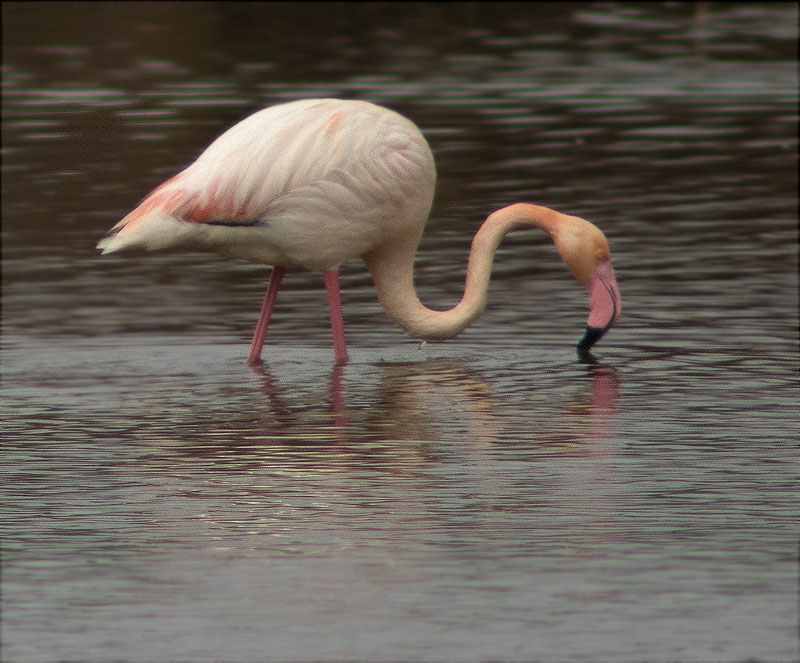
{"x":392,"y":270}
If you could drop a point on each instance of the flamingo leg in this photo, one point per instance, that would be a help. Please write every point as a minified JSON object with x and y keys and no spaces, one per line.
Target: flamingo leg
{"x":260,"y":332}
{"x":335,"y":308}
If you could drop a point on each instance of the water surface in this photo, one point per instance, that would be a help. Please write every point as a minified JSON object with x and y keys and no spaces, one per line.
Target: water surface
{"x":494,"y":496}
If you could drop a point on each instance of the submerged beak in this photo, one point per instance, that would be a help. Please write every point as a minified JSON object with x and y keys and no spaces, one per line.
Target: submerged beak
{"x":604,"y":304}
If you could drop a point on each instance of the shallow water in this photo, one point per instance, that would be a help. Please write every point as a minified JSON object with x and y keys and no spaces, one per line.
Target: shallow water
{"x":494,"y":496}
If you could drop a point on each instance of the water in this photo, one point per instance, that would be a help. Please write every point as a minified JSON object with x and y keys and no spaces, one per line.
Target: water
{"x":489,"y":497}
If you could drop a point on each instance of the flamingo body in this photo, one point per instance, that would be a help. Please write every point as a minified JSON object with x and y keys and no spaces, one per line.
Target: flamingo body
{"x":307,"y":184}
{"x":312,"y":183}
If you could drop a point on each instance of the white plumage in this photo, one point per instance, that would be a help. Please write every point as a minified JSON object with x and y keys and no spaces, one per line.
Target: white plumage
{"x":312,"y":183}
{"x":308,"y":184}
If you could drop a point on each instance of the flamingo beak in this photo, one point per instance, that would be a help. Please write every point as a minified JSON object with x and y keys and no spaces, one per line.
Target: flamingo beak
{"x":605,"y":304}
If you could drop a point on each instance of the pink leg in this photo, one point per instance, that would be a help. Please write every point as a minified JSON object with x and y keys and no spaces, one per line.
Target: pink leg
{"x":260,"y":332}
{"x":335,"y":309}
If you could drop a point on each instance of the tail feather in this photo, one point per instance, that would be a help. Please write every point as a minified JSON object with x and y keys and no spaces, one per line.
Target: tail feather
{"x":177,"y":210}
{"x":106,"y":242}
{"x":153,"y":224}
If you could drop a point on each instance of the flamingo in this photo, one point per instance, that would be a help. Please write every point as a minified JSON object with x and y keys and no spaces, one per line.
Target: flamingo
{"x":312,"y":183}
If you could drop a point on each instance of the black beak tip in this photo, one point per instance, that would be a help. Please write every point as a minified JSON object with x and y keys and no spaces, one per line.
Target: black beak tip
{"x":592,"y":335}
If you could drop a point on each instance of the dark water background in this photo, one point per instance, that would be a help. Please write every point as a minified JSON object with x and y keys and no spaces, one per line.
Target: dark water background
{"x":488,"y":497}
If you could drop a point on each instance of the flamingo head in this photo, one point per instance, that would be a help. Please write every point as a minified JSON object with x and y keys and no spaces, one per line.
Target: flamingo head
{"x":584,"y":249}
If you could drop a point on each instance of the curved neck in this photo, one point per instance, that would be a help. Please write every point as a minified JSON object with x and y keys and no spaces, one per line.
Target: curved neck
{"x":392,"y":270}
